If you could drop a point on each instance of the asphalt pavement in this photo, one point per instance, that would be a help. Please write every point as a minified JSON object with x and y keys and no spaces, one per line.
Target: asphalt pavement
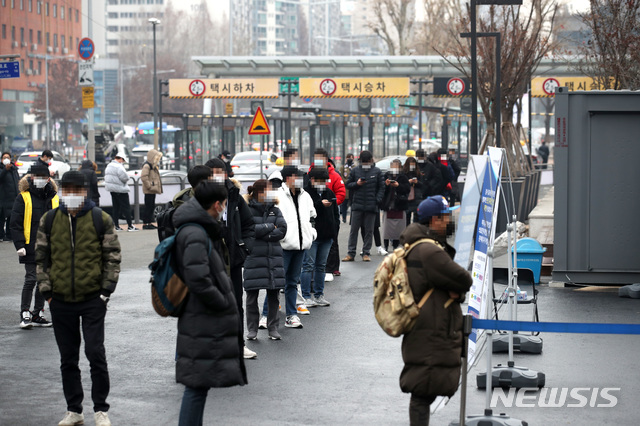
{"x":339,"y":369}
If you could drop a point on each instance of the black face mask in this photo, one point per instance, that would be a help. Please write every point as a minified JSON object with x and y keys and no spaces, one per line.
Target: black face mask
{"x":451,"y":229}
{"x":350,"y":161}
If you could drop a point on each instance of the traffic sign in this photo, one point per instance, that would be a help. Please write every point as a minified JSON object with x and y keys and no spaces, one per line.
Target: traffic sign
{"x":354,"y":87}
{"x":85,"y":74}
{"x":10,"y":69}
{"x":223,"y":88}
{"x":289,"y":85}
{"x":549,"y":86}
{"x":259,"y":124}
{"x":455,"y":86}
{"x":545,"y":87}
{"x":228,"y":108}
{"x":86,"y":48}
{"x":87,"y":97}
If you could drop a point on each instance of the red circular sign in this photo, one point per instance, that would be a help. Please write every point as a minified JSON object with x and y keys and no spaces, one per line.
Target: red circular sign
{"x":197,"y":87}
{"x":549,"y":86}
{"x":328,"y":87}
{"x":86,"y":48}
{"x":455,"y":86}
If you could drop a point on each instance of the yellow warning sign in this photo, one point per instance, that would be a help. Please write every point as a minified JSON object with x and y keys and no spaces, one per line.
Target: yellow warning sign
{"x":87,"y":97}
{"x":259,"y":124}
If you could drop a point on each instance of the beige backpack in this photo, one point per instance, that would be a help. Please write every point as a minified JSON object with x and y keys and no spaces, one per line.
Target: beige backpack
{"x":393,"y":303}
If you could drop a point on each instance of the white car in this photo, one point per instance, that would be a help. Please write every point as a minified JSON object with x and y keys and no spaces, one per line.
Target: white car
{"x":59,"y":165}
{"x":244,"y":161}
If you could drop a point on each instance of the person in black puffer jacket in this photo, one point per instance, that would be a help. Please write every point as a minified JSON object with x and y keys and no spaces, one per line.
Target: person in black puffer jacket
{"x":394,"y":204}
{"x":327,"y":222}
{"x":412,"y":170}
{"x":8,"y":192}
{"x":264,"y":267}
{"x":88,"y":168}
{"x":209,"y":346}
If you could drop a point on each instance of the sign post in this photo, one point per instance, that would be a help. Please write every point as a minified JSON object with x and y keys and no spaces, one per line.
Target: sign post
{"x":86,"y":49}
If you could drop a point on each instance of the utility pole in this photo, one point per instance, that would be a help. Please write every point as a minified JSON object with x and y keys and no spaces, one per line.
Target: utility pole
{"x":420,"y":93}
{"x":91,"y":134}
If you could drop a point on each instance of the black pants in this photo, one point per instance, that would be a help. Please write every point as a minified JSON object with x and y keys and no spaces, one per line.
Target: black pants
{"x":253,"y":312}
{"x":149,"y":207}
{"x":419,"y":410}
{"x":5,"y":219}
{"x":121,"y":206}
{"x":333,"y":260}
{"x":28,"y":289}
{"x":394,"y":244}
{"x":238,"y":291}
{"x":376,"y":231}
{"x":66,"y":326}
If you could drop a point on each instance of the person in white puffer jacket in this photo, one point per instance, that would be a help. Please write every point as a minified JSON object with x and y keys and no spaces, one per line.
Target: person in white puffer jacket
{"x":298,"y":211}
{"x":116,"y":181}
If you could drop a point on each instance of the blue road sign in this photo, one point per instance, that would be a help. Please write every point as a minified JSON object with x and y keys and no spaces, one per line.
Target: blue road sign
{"x":86,"y":48}
{"x":10,"y":69}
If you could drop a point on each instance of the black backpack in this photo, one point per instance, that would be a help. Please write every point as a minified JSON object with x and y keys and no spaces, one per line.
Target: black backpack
{"x":164,"y":219}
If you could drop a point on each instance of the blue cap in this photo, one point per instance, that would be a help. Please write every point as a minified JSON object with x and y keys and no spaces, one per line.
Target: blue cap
{"x":433,"y":206}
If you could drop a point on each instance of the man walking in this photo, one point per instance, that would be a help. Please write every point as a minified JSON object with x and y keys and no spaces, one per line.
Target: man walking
{"x":116,"y":181}
{"x":151,"y":185}
{"x":38,"y":194}
{"x":432,"y":350}
{"x":366,"y":188}
{"x":78,"y":265}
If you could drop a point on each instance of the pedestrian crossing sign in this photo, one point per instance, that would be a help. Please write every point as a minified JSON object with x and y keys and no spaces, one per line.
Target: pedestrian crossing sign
{"x":259,"y":124}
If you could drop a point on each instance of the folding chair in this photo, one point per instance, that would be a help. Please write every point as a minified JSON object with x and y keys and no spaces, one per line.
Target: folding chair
{"x":525,"y":281}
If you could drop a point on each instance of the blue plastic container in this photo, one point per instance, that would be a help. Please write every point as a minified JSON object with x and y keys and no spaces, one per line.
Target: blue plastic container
{"x":529,"y":254}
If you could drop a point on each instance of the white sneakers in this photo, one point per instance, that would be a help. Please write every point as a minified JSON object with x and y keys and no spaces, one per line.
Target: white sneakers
{"x":262,"y":324}
{"x":72,"y":419}
{"x":302,"y":310}
{"x":309,"y":303}
{"x":249,"y":354}
{"x":102,"y":418}
{"x":293,"y":321}
{"x":382,"y":251}
{"x":328,"y":277}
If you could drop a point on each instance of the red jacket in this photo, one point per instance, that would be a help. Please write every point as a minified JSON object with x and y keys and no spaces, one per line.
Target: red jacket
{"x":336,"y":183}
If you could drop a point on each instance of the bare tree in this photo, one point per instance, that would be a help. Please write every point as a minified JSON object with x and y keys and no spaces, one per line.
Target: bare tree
{"x":526,"y":39}
{"x":612,"y":53}
{"x":393,"y":24}
{"x":440,"y":16}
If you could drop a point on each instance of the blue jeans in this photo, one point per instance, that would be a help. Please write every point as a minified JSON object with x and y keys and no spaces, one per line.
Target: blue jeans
{"x":314,"y":268}
{"x":292,"y":260}
{"x":192,"y":409}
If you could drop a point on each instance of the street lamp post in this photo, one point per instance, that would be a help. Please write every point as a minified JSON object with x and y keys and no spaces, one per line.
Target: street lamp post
{"x":122,"y":90}
{"x":155,"y":22}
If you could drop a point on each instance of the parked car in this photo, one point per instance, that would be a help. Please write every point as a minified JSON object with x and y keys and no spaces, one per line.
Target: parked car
{"x":385,"y":163}
{"x":59,"y":165}
{"x":251,"y":159}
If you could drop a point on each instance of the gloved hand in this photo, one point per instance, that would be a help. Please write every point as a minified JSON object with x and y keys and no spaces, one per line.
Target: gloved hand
{"x":22,"y":252}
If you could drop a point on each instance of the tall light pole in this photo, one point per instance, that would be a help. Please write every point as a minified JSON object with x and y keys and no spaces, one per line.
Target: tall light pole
{"x":122,"y":90}
{"x":155,"y":22}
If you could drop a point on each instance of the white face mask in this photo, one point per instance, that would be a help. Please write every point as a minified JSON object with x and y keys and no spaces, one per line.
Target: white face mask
{"x":395,"y":171}
{"x":366,"y":166}
{"x":412,"y":167}
{"x":271,"y":196}
{"x":218,"y":178}
{"x":421,"y":161}
{"x":295,"y":162}
{"x":6,"y":161}
{"x":299,"y":183}
{"x":320,"y":186}
{"x":319,"y":163}
{"x":40,"y":182}
{"x":72,"y":201}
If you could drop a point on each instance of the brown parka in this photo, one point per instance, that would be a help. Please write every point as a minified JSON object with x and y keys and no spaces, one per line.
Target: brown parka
{"x":432,"y":350}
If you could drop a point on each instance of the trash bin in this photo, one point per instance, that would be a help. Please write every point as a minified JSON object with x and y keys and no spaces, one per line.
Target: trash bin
{"x":529,"y":254}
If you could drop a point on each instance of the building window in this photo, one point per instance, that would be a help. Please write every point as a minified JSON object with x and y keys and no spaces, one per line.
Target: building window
{"x":55,"y":41}
{"x":30,"y":5}
{"x":113,"y":15}
{"x":13,"y":33}
{"x":30,"y":36}
{"x":39,"y":67}
{"x":21,"y":4}
{"x":31,"y":64}
{"x":55,"y":10}
{"x":4,"y":30}
{"x":21,"y":35}
{"x":62,"y":12}
{"x":48,"y":39}
{"x":70,"y":41}
{"x":62,"y":42}
{"x":112,"y":28}
{"x":112,"y":42}
{"x":39,"y":6}
{"x":9,"y":95}
{"x":46,"y":8}
{"x":39,"y":37}
{"x":77,"y":15}
{"x":13,"y":4}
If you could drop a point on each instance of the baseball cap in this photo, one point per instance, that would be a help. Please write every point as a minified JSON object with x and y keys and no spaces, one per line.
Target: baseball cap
{"x":433,"y":206}
{"x":226,"y":154}
{"x":39,"y":170}
{"x":73,"y":178}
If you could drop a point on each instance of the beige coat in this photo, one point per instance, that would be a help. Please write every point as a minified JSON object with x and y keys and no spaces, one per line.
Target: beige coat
{"x":151,"y":183}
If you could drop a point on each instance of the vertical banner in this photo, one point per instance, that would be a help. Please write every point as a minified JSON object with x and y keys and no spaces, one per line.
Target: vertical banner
{"x":485,"y":234}
{"x":469,"y":209}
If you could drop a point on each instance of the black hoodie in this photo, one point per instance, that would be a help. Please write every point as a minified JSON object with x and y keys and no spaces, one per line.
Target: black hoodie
{"x":92,"y":181}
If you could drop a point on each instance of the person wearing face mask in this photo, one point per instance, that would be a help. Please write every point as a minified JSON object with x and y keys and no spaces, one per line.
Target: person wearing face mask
{"x":431,"y":177}
{"x":38,"y":195}
{"x":327,"y":222}
{"x":298,"y":211}
{"x":413,"y":173}
{"x":209,"y":349}
{"x":237,"y":232}
{"x":45,"y":160}
{"x":432,"y":350}
{"x":394,"y":204}
{"x":116,"y":181}
{"x":226,"y":157}
{"x":78,"y":265}
{"x":346,"y":171}
{"x":440,"y":159}
{"x":264,"y":267}
{"x":9,"y":179}
{"x":151,"y":186}
{"x":366,"y":184}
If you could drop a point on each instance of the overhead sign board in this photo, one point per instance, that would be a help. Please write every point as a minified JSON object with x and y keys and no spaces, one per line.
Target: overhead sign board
{"x":184,"y":88}
{"x":451,"y":87}
{"x":354,"y":87}
{"x":86,"y":48}
{"x":87,"y":97}
{"x":10,"y":69}
{"x":259,"y":124}
{"x":545,"y":87}
{"x":85,"y":74}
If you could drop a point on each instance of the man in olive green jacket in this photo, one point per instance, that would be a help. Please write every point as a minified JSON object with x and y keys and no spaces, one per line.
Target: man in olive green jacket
{"x":78,"y":266}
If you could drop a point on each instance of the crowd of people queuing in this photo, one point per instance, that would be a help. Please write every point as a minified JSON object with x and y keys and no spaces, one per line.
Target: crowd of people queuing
{"x":279,"y":237}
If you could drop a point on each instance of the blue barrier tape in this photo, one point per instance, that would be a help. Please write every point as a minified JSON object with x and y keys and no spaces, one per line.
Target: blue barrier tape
{"x":557,"y":327}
